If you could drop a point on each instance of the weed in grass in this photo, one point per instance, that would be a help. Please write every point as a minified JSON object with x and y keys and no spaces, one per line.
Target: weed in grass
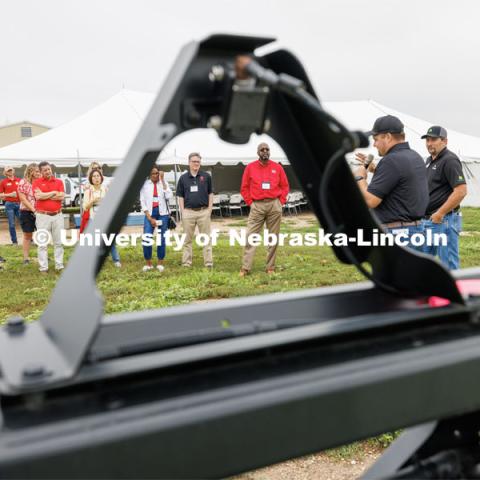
{"x":346,"y":452}
{"x":357,"y":450}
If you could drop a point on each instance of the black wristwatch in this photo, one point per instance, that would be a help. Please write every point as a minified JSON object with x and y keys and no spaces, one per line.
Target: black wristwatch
{"x":359,"y":177}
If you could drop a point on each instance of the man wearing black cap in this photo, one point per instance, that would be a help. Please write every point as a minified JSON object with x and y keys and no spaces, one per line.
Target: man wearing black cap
{"x":398,"y":192}
{"x":447,"y":188}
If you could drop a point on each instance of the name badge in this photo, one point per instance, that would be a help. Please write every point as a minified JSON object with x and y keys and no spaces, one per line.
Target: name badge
{"x":265,"y":185}
{"x":194,"y":188}
{"x":155,"y":199}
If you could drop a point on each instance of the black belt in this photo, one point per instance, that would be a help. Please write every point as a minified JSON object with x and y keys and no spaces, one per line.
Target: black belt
{"x":400,"y":224}
{"x":196,"y":209}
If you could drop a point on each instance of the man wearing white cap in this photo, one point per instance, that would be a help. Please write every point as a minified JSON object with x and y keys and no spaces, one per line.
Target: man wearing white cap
{"x":9,"y":194}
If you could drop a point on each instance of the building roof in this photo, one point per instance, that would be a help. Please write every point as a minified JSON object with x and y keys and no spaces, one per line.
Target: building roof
{"x":25,"y":122}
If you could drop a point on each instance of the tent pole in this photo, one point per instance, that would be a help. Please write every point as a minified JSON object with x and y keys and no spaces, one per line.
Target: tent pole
{"x":177,"y":216}
{"x":80,"y":193}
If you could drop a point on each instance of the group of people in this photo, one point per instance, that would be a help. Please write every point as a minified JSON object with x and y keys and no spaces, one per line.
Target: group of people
{"x":37,"y":201}
{"x":410,"y":196}
{"x":405,"y":194}
{"x":264,"y":188}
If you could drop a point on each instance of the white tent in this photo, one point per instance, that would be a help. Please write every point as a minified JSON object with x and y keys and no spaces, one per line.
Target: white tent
{"x":105,"y":133}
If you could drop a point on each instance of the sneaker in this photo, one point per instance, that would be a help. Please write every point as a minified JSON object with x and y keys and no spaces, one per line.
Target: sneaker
{"x":42,"y":270}
{"x":26,"y":261}
{"x":117,"y":264}
{"x":59,"y":268}
{"x":147,"y":268}
{"x":160,"y":268}
{"x":270,"y":271}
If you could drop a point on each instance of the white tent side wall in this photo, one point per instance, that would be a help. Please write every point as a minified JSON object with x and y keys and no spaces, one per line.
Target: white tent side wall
{"x":471,"y":170}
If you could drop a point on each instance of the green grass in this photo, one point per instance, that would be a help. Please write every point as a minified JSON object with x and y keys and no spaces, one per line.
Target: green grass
{"x":471,"y":219}
{"x":25,"y":292}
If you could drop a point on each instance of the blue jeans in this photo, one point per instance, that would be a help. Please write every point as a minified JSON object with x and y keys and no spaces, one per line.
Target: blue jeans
{"x":147,"y":228}
{"x":451,"y":227}
{"x":114,"y":254}
{"x":416,"y":230}
{"x":12,"y":209}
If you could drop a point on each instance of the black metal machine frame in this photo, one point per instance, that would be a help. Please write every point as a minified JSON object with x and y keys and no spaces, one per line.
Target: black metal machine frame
{"x":209,"y":391}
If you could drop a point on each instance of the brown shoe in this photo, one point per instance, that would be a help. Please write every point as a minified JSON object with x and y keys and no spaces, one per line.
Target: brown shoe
{"x":243,"y":272}
{"x":270,"y":271}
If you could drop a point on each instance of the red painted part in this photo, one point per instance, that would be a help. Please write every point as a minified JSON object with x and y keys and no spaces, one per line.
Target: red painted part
{"x":465,"y":287}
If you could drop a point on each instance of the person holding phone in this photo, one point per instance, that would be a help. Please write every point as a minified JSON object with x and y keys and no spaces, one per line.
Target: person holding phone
{"x":154,"y":196}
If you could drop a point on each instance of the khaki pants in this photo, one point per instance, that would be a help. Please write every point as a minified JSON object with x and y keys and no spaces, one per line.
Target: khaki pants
{"x":270,"y":213}
{"x":54,"y":226}
{"x":190,"y":219}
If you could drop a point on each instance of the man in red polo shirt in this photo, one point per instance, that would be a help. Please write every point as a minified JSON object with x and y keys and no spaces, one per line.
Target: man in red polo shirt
{"x":265,"y":188}
{"x":49,"y":193}
{"x":9,"y":194}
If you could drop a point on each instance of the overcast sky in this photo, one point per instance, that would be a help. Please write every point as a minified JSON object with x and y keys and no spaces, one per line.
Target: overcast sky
{"x":60,"y":58}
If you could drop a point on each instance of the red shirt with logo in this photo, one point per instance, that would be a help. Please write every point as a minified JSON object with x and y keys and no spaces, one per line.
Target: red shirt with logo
{"x":45,"y":186}
{"x":8,"y":185}
{"x":264,"y":181}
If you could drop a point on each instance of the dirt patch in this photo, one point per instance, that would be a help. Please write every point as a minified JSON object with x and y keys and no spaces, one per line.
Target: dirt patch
{"x":313,"y":467}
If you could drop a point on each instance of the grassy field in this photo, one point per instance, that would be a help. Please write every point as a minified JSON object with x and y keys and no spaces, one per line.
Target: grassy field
{"x":26,"y":292}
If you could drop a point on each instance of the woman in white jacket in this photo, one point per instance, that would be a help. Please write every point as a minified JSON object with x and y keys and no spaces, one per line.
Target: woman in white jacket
{"x":154,"y":196}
